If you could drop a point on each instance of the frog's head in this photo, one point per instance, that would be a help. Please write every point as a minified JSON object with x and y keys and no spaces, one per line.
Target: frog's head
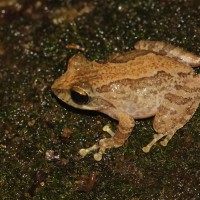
{"x":74,"y":86}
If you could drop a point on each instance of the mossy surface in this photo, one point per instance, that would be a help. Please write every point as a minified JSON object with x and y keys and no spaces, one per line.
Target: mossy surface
{"x":34,"y":49}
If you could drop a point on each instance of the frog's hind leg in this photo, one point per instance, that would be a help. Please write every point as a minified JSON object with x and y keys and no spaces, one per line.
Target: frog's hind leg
{"x":175,"y":111}
{"x":164,"y":48}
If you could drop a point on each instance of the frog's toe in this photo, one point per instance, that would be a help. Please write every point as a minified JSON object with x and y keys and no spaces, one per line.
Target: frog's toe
{"x":146,"y":149}
{"x":156,"y":137}
{"x":102,"y":149}
{"x":167,"y":139}
{"x":164,"y":142}
{"x":98,"y":156}
{"x":107,"y":129}
{"x":83,"y":152}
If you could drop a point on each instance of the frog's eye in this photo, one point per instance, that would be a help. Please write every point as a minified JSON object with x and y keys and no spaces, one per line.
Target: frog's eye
{"x":79,"y":95}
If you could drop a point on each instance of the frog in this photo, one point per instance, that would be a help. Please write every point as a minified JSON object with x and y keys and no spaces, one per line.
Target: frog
{"x":155,"y":79}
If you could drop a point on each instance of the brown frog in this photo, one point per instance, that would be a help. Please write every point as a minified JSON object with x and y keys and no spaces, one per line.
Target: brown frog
{"x":156,"y":80}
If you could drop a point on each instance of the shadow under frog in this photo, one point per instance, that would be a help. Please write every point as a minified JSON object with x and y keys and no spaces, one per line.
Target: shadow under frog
{"x":156,"y":79}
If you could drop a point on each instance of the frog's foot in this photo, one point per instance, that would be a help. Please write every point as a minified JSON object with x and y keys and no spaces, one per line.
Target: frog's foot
{"x":157,"y":137}
{"x":102,"y":146}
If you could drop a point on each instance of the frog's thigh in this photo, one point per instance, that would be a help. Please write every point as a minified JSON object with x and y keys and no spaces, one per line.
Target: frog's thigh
{"x":175,"y":111}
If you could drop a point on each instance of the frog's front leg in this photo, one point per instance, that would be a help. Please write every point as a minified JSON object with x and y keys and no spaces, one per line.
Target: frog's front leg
{"x":124,"y":129}
{"x":176,"y":110}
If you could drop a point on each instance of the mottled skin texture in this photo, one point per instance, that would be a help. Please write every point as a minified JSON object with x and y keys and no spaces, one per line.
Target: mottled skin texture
{"x":155,"y":80}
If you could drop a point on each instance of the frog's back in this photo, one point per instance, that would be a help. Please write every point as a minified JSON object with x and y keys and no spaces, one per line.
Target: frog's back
{"x":141,"y":67}
{"x":151,"y":64}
